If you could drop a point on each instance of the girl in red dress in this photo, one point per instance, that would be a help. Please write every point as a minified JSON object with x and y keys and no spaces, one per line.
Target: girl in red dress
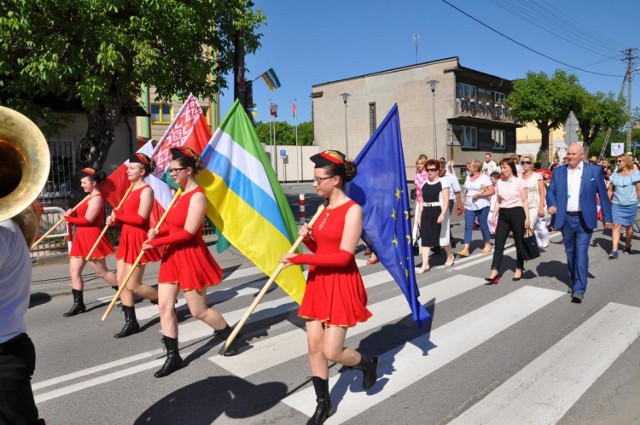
{"x":134,"y":217}
{"x":187,"y":264}
{"x":335,"y":298}
{"x":87,"y":219}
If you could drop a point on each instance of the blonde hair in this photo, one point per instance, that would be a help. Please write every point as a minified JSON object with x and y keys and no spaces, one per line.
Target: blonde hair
{"x":529,"y":156}
{"x":628,"y":162}
{"x":422,"y":158}
{"x":475,"y":164}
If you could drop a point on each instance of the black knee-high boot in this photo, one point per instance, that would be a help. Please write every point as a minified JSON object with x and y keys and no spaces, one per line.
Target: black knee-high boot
{"x":324,"y":407}
{"x":369,"y":365}
{"x":174,"y":361}
{"x":131,"y":325}
{"x":225,"y":333}
{"x":78,"y":304}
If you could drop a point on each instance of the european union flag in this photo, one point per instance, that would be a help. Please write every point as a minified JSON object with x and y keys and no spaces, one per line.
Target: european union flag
{"x":380,"y":187}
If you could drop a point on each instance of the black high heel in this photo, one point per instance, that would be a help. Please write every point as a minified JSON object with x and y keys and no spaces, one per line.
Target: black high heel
{"x":493,"y":280}
{"x":515,"y":279}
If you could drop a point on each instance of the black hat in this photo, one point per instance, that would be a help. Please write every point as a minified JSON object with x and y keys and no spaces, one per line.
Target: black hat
{"x":325,"y":158}
{"x":182,"y":152}
{"x":140,"y":158}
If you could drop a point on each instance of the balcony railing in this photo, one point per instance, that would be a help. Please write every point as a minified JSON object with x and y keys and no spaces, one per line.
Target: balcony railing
{"x":482,"y":109}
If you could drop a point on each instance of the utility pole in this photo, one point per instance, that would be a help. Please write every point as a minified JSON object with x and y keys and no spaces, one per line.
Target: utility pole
{"x":630,"y":59}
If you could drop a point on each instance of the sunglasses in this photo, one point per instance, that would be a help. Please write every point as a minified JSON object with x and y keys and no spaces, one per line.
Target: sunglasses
{"x":526,"y":162}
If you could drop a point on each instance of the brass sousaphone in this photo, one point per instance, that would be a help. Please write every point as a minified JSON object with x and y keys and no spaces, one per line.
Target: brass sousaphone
{"x":24,"y":169}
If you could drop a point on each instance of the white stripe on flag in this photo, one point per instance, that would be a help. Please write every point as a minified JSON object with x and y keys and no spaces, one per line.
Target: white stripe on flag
{"x":242,"y":160}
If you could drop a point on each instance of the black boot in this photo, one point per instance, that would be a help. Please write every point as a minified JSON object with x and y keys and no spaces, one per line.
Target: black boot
{"x":232,"y":350}
{"x":78,"y":304}
{"x":369,"y":365}
{"x":131,"y":325}
{"x":324,"y":407}
{"x":173,"y":362}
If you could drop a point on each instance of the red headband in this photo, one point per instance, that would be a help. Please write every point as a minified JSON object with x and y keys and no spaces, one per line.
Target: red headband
{"x":89,"y":171}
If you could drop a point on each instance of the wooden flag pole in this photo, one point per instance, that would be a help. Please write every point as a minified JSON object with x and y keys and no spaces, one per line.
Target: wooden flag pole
{"x":264,"y":290}
{"x":106,"y":227}
{"x":135,"y":264}
{"x":86,"y":198}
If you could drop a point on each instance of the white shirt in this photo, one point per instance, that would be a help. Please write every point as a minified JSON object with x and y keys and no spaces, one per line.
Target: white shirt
{"x":472,"y":187}
{"x":15,"y":280}
{"x":489,"y":167}
{"x":574,"y":177}
{"x":454,"y":185}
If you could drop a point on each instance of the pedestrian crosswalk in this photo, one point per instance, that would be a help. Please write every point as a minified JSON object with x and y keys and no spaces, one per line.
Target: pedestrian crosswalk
{"x":541,"y":392}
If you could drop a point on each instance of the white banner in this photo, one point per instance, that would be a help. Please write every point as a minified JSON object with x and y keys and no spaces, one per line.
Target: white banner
{"x":617,"y":149}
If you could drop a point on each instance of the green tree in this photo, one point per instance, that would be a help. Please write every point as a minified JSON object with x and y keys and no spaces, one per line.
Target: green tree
{"x":544,"y":101}
{"x":285,"y":133}
{"x":99,"y":53}
{"x":596,"y":112}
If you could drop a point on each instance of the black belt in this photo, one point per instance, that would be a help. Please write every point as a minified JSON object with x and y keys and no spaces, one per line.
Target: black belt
{"x":573,"y":213}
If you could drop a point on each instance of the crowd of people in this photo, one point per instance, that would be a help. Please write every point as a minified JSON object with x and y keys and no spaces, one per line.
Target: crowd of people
{"x":516,"y":197}
{"x":508,"y":197}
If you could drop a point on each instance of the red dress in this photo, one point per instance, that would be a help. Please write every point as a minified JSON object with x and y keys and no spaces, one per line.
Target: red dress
{"x":133,"y":235}
{"x":87,"y":234}
{"x":188,"y":263}
{"x":334,"y":295}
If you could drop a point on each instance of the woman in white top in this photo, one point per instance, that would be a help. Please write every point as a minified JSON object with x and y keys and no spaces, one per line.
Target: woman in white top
{"x":433,"y":210}
{"x":536,"y":195}
{"x":509,"y":216}
{"x":478,"y":190}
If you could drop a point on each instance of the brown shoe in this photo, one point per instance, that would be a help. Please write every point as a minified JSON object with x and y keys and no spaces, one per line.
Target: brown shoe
{"x":486,"y":250}
{"x":463,"y":253}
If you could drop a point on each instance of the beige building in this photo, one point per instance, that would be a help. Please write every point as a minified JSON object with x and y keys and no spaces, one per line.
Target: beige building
{"x":470,"y":117}
{"x":528,"y":138}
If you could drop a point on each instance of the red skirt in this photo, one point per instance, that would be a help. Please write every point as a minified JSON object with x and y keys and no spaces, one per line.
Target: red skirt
{"x":335,"y":296}
{"x":131,"y":240}
{"x":83,"y":241}
{"x":190,"y":265}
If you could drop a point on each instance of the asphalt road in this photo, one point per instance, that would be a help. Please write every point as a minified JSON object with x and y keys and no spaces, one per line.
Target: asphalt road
{"x":512,"y":353}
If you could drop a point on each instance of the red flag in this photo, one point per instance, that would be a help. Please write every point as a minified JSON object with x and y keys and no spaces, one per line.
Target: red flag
{"x":189,"y":128}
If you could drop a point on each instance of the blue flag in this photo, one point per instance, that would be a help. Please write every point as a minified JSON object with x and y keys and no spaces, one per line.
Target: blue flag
{"x":380,"y":187}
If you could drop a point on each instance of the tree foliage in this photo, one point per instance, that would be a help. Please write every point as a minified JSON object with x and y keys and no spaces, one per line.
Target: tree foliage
{"x":545,"y":101}
{"x":285,"y":133}
{"x":99,"y":53}
{"x":597,"y":112}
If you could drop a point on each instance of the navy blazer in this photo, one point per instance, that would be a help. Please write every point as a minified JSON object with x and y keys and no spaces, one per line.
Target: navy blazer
{"x":592,"y":182}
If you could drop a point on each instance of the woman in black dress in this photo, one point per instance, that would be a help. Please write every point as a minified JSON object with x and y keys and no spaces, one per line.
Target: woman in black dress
{"x":434,"y":216}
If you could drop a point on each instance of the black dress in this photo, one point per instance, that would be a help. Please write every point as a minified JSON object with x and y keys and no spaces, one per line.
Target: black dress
{"x":431,"y":233}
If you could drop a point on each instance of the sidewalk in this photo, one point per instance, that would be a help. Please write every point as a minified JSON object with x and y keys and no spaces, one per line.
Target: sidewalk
{"x":51,"y":275}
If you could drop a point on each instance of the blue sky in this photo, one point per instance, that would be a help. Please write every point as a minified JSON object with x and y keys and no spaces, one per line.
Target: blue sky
{"x":313,"y":42}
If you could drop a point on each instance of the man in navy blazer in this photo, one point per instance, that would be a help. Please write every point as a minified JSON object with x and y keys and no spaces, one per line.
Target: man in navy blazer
{"x":571,"y":197}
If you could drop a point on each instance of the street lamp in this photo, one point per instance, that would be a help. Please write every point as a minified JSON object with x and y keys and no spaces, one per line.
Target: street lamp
{"x":432,"y":85}
{"x":345,"y":97}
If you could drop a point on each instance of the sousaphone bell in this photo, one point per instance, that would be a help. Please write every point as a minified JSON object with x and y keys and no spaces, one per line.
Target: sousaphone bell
{"x":24,"y":169}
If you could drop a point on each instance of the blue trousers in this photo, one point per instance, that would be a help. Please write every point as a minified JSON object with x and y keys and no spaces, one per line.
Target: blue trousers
{"x":469,"y":218}
{"x":577,"y":237}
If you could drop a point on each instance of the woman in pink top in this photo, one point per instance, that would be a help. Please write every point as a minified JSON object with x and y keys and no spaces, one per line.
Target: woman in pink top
{"x":509,"y":216}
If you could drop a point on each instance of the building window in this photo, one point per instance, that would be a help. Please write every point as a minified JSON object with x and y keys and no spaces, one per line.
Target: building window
{"x":499,"y":141}
{"x":205,"y":111}
{"x":372,"y":118}
{"x":498,"y":98}
{"x":469,"y":136}
{"x":161,"y":113}
{"x":466,"y":91}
